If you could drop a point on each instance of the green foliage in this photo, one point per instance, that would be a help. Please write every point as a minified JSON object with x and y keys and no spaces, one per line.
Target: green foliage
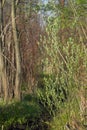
{"x":68,"y":112}
{"x":19,"y":113}
{"x":64,"y":59}
{"x":65,"y":65}
{"x":51,"y":95}
{"x":62,"y":72}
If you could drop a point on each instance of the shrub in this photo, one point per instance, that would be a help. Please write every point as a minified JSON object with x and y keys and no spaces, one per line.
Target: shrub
{"x":51,"y":95}
{"x":19,"y":113}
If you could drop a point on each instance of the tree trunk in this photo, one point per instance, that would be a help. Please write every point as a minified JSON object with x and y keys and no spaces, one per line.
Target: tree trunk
{"x":3,"y":76}
{"x":17,"y":91}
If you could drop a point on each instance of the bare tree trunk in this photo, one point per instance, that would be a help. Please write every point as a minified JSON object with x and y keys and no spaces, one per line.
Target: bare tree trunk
{"x":17,"y":91}
{"x":3,"y":76}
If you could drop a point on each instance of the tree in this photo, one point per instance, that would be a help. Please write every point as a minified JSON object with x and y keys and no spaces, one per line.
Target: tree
{"x":3,"y":76}
{"x":17,"y":88}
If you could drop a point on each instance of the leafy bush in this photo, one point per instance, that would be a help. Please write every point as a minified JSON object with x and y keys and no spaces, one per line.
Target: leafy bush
{"x":65,"y":65}
{"x":65,"y":61}
{"x":51,"y":95}
{"x":19,"y":113}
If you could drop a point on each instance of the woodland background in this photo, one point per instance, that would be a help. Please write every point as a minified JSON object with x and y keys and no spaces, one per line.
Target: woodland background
{"x":43,"y":64}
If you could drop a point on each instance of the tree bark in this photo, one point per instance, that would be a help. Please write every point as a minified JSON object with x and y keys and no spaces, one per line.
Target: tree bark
{"x":17,"y":91}
{"x":3,"y":76}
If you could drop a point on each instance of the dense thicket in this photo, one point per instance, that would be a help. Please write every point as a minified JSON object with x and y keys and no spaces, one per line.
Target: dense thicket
{"x":43,"y":55}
